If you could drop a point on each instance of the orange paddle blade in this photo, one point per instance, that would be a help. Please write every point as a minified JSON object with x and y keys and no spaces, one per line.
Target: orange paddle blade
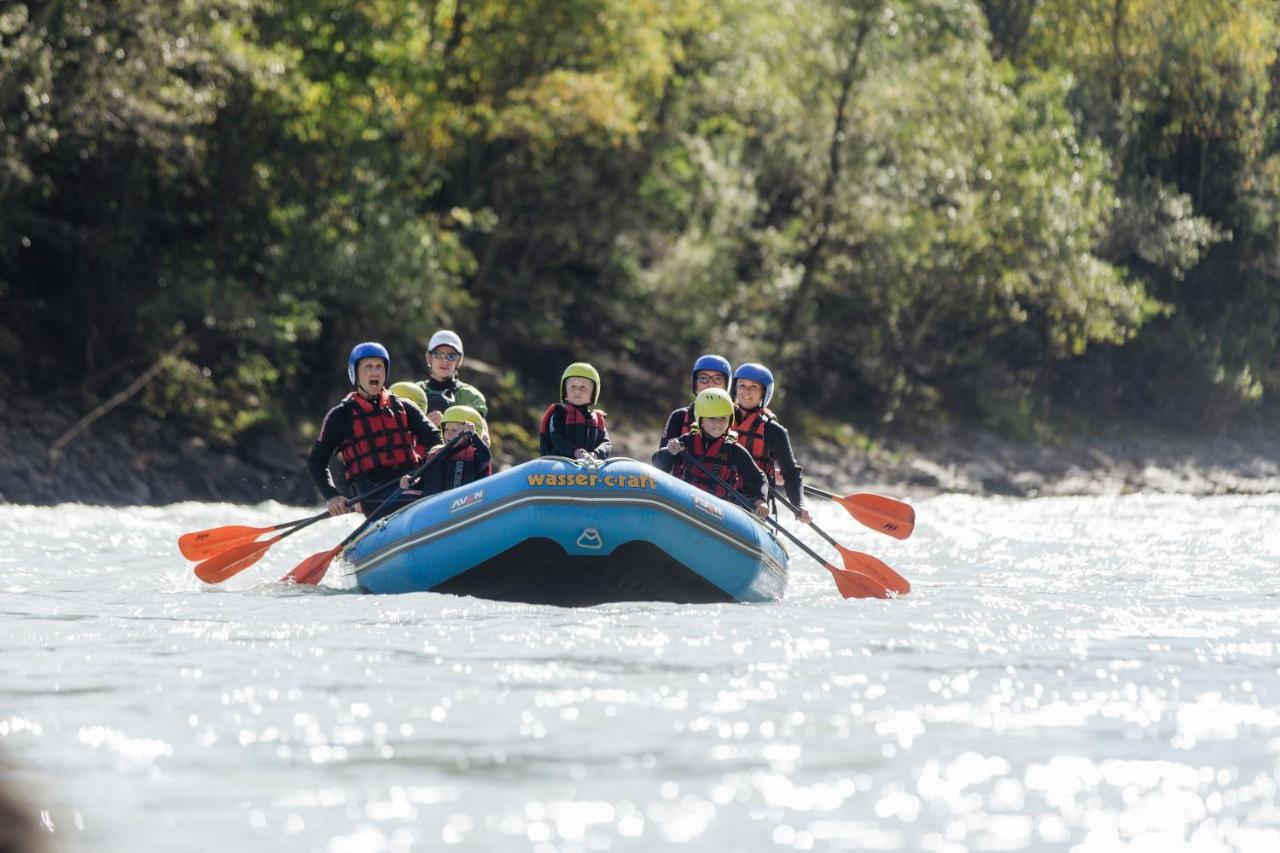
{"x":203,"y":544}
{"x":874,"y":568}
{"x":853,"y":584}
{"x":233,"y":560}
{"x":312,"y":569}
{"x":895,"y":518}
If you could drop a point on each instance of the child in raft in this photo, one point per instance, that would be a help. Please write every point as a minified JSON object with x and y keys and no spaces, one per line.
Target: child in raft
{"x":714,"y":445}
{"x":574,"y":427}
{"x":466,"y":462}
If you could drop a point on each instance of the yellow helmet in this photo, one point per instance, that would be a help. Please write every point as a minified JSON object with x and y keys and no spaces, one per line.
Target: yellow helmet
{"x":462,"y":415}
{"x":412,"y":392}
{"x":582,"y":370}
{"x":713,"y":403}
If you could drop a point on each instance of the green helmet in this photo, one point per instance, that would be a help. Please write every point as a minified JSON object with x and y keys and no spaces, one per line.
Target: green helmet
{"x":411,"y":392}
{"x":713,"y":403}
{"x":462,"y":415}
{"x":582,"y":370}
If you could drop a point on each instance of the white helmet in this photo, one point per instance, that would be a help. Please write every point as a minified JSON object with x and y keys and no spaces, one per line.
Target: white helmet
{"x":444,"y":337}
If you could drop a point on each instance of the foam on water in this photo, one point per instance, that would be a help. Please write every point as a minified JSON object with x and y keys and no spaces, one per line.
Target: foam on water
{"x":1089,"y":673}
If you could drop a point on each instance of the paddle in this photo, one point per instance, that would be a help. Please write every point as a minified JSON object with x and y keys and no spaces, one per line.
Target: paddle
{"x":856,"y":560}
{"x":850,"y":583}
{"x":236,"y":558}
{"x":203,"y":544}
{"x":312,"y":570}
{"x":890,"y":517}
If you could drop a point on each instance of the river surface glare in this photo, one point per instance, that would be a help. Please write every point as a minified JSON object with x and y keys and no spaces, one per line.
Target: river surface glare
{"x":1068,"y":673}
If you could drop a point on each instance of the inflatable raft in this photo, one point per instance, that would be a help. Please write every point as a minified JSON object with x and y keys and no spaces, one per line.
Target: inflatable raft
{"x":556,"y":531}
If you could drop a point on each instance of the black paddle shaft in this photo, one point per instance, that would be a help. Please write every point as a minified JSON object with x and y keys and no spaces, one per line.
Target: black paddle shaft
{"x":294,"y":527}
{"x":822,"y":493}
{"x":789,"y":505}
{"x":422,"y":469}
{"x":306,"y":522}
{"x":745,"y":504}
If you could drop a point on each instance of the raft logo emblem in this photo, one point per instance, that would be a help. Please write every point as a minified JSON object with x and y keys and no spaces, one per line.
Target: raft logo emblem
{"x":466,"y":501}
{"x":591,"y":539}
{"x":708,"y":507}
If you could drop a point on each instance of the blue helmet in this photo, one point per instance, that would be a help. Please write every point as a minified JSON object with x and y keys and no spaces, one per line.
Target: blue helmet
{"x":755,"y":373}
{"x":368,"y":349}
{"x":718,"y":363}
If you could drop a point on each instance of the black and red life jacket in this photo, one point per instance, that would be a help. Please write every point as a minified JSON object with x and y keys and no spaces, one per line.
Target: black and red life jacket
{"x":750,"y":427}
{"x":460,"y":467}
{"x":714,"y":456}
{"x":456,"y":469}
{"x":585,"y":432}
{"x":686,"y":420}
{"x":381,"y":440}
{"x":679,"y":422}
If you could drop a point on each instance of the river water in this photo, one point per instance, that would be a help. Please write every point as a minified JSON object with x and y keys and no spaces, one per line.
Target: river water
{"x":1068,"y":673}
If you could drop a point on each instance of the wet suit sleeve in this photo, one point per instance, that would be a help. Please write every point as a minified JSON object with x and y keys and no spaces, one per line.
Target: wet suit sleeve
{"x":469,"y":395}
{"x":675,"y":425}
{"x":777,"y":443}
{"x":663,"y":460}
{"x":335,"y":428}
{"x":484,"y":457}
{"x":752,"y":476}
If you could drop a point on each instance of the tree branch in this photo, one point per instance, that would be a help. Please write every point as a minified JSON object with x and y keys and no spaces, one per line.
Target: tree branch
{"x":55,"y":449}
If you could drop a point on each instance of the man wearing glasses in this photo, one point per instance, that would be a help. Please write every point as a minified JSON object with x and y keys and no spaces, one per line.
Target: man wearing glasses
{"x":444,"y":389}
{"x":709,"y":371}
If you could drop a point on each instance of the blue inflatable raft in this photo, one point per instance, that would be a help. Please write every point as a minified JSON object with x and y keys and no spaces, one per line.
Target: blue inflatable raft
{"x":556,"y":531}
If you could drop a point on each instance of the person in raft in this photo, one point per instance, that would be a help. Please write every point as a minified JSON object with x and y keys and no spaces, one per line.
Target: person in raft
{"x":409,"y":392}
{"x":442,"y":385}
{"x":376,"y":434}
{"x":467,"y":462}
{"x":763,"y":436}
{"x":574,"y":427}
{"x":709,"y":371}
{"x":714,"y":444}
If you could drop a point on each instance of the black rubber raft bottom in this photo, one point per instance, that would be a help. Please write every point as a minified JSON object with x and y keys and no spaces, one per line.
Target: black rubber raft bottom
{"x":539,"y":571}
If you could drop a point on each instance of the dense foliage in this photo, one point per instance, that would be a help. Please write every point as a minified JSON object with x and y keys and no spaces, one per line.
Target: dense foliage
{"x":990,"y":210}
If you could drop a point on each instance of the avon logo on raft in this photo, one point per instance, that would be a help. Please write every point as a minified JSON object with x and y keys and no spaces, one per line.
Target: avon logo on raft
{"x":467,"y":500}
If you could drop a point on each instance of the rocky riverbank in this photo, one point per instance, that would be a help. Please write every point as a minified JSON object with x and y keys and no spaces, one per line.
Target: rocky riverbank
{"x":1239,"y":461}
{"x":121,"y":462}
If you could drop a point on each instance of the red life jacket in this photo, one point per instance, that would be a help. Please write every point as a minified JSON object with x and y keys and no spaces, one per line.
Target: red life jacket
{"x":751,"y":429}
{"x":584,"y":432}
{"x":380,"y":436}
{"x":714,"y":456}
{"x":573,"y":416}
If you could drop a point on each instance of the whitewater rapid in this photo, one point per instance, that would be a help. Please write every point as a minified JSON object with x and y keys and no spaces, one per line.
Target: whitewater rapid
{"x":1068,"y":673}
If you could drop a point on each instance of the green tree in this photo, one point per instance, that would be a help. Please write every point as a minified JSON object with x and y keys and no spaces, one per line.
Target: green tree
{"x":1181,"y":96}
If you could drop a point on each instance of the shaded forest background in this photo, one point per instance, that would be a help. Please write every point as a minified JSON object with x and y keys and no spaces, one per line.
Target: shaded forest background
{"x":1013,"y":213}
